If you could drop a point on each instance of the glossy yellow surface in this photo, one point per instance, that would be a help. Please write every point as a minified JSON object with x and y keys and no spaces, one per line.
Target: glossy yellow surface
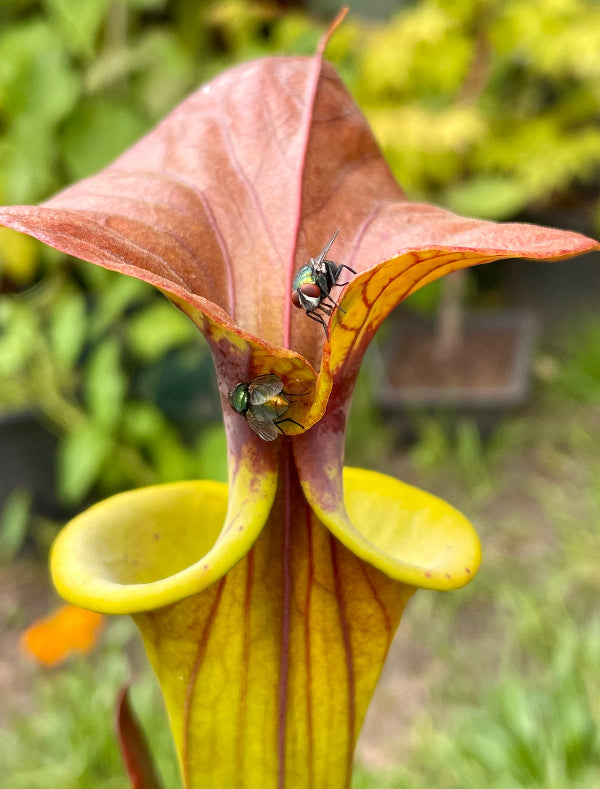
{"x":267,"y":637}
{"x":408,"y":534}
{"x":150,"y":547}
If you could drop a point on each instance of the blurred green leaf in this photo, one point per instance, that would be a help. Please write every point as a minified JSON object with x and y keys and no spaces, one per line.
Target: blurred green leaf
{"x":145,"y":4}
{"x":577,"y":375}
{"x":13,"y":523}
{"x":82,"y":452}
{"x":142,"y":422}
{"x":297,"y":34}
{"x":433,"y":447}
{"x":525,"y":27}
{"x":171,"y":458}
{"x":164,"y":72}
{"x":18,"y":337}
{"x":38,"y":86}
{"x":145,"y":424}
{"x":489,"y":197}
{"x":212,"y":453}
{"x":105,"y":383}
{"x":157,"y":329}
{"x":425,"y":301}
{"x":78,"y":22}
{"x":68,"y":328}
{"x":26,"y":167}
{"x":402,"y":58}
{"x":101,"y":129}
{"x":113,"y":295}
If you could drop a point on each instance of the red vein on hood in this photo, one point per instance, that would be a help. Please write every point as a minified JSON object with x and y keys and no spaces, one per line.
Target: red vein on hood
{"x":311,"y":95}
{"x":345,"y":628}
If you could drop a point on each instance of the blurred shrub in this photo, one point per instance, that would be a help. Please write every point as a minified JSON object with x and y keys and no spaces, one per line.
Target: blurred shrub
{"x":80,"y":80}
{"x":488,"y":107}
{"x":91,"y":367}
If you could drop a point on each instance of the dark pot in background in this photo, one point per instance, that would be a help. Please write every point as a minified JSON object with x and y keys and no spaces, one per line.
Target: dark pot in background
{"x":27,"y":452}
{"x":488,"y":377}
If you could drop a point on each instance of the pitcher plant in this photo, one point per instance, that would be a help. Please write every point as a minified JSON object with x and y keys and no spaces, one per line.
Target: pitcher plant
{"x":267,"y":606}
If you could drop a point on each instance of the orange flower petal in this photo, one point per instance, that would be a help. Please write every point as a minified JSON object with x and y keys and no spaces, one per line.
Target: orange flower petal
{"x":52,"y":639}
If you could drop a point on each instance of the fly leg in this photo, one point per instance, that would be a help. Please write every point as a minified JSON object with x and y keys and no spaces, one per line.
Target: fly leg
{"x":281,"y":421}
{"x":343,"y":284}
{"x":315,"y":316}
{"x":333,"y":279}
{"x":333,"y":304}
{"x":339,"y":271}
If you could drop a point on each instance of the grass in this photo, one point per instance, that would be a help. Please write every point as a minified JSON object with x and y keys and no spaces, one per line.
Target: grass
{"x":533,"y":727}
{"x":510,"y":663}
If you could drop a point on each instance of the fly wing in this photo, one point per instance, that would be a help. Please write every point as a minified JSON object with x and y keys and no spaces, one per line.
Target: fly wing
{"x":262,"y":426}
{"x":317,"y":262}
{"x":263,"y":388}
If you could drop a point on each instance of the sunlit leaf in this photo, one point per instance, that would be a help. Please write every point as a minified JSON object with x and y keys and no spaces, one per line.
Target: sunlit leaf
{"x":19,"y":256}
{"x":37,"y":82}
{"x":68,"y":327}
{"x":78,"y":22}
{"x":81,"y":455}
{"x":105,"y":383}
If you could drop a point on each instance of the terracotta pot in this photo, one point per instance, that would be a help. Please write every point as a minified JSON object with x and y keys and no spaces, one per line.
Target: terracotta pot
{"x":487,"y":376}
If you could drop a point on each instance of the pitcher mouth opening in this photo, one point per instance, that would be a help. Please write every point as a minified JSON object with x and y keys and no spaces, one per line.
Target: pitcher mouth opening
{"x":143,"y":549}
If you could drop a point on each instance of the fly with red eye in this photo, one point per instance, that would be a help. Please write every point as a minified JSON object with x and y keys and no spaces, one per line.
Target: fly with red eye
{"x":312,"y":286}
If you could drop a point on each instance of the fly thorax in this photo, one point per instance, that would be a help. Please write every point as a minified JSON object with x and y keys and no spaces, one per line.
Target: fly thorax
{"x":303,"y":277}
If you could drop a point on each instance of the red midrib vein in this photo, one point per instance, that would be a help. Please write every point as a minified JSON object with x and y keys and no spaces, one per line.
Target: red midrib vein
{"x":350,"y":678}
{"x":311,"y":93}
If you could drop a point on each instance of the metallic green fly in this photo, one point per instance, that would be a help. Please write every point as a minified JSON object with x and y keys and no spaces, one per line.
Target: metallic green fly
{"x":312,"y":286}
{"x":262,"y":402}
